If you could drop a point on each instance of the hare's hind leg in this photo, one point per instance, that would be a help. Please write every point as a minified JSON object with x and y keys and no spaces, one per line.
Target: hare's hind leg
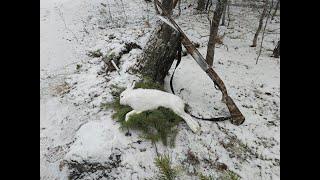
{"x":131,"y":113}
{"x":193,"y":124}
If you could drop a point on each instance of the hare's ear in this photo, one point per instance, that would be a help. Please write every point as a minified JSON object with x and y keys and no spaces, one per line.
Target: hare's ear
{"x":131,"y":86}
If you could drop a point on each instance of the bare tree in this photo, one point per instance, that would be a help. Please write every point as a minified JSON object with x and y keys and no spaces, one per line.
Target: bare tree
{"x":161,"y":50}
{"x":229,"y":18}
{"x":276,"y":51}
{"x":224,"y":15}
{"x":175,"y":2}
{"x":275,"y":11}
{"x":264,"y":30}
{"x":263,"y":14}
{"x":156,"y":7}
{"x":201,"y":5}
{"x":214,"y":27}
{"x":208,"y":4}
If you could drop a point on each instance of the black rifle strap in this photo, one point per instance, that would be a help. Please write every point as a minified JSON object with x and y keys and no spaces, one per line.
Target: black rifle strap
{"x":177,"y":64}
{"x":179,"y":50}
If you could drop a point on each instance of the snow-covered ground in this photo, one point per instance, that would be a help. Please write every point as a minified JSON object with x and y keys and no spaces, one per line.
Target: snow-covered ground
{"x":74,"y":129}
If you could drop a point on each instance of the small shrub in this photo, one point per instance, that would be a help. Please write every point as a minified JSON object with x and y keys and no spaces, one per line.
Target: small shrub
{"x":109,"y":57}
{"x":94,"y":54}
{"x":203,"y":177}
{"x":166,"y":171}
{"x":155,"y":125}
{"x":230,"y":175}
{"x":78,"y":66}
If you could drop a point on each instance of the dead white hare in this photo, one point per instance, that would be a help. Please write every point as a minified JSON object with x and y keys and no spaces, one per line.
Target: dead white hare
{"x":148,"y":99}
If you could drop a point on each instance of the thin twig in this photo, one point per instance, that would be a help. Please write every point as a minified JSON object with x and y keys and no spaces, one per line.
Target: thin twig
{"x":65,"y":24}
{"x":208,"y":16}
{"x":109,"y":11}
{"x":264,"y":30}
{"x":156,"y":148}
{"x":124,"y":11}
{"x":228,"y":8}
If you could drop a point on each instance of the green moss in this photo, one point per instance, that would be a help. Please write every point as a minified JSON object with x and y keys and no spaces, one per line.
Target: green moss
{"x":94,"y":54}
{"x":230,"y":175}
{"x":203,"y":177}
{"x":154,"y":125}
{"x":147,"y":83}
{"x":166,"y":171}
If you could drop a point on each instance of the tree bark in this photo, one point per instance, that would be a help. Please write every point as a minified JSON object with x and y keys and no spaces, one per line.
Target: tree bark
{"x":214,"y":30}
{"x":224,"y":15}
{"x":276,"y":51}
{"x":229,"y":18}
{"x":156,"y":7}
{"x":275,"y":11}
{"x":160,"y":51}
{"x":175,"y":2}
{"x":201,"y":5}
{"x":263,"y":14}
{"x":207,"y":4}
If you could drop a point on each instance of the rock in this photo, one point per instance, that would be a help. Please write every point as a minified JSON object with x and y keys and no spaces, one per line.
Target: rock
{"x":95,"y":152}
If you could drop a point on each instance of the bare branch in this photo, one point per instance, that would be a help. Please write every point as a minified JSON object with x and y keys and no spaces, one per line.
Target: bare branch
{"x":264,"y":30}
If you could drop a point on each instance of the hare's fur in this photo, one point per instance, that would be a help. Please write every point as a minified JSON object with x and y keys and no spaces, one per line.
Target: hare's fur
{"x":148,"y":99}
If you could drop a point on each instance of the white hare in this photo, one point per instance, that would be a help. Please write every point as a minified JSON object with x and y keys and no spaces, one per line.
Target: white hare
{"x":148,"y":99}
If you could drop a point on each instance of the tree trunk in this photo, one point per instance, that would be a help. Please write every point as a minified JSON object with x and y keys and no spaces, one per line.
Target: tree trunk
{"x":229,"y":18}
{"x":175,"y":2}
{"x":156,"y":7}
{"x":214,"y":30}
{"x":276,"y":51}
{"x":224,"y":15}
{"x":160,"y":51}
{"x":201,"y":5}
{"x":263,"y":14}
{"x":275,"y":11}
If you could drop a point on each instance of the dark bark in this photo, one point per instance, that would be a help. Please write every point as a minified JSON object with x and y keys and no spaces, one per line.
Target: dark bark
{"x":263,"y":14}
{"x":214,"y":30}
{"x":175,"y":2}
{"x":201,"y":5}
{"x":179,"y":7}
{"x":264,"y":30}
{"x":224,"y":15}
{"x":207,"y":4}
{"x":275,"y":11}
{"x":156,"y":7}
{"x":276,"y":51}
{"x":229,"y":18}
{"x":160,"y":50}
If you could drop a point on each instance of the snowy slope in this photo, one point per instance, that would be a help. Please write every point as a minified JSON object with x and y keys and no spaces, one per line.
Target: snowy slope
{"x":74,"y":128}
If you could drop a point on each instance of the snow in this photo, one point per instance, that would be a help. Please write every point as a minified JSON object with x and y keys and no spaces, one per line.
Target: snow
{"x":73,"y":126}
{"x":94,"y":140}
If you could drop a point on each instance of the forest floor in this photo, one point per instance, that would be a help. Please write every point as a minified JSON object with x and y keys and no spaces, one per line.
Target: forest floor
{"x":75,"y":129}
